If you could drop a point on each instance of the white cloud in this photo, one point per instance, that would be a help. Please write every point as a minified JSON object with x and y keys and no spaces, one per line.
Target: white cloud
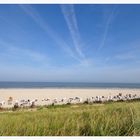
{"x":16,"y":52}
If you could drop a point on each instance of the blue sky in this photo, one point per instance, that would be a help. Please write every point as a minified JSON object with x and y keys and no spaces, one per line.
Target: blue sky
{"x":70,"y":43}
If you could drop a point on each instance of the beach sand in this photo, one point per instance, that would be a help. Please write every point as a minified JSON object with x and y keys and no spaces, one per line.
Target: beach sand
{"x":60,"y":93}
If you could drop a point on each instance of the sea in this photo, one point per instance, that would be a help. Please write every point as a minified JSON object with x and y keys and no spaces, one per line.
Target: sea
{"x":6,"y":85}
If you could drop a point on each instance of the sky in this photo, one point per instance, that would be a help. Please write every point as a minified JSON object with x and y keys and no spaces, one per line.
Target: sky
{"x":70,"y":43}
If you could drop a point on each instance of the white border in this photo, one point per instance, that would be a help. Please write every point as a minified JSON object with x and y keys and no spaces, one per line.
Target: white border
{"x":69,"y":1}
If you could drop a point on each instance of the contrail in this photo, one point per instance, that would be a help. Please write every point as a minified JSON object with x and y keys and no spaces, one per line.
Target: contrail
{"x":38,"y":19}
{"x":107,"y":29}
{"x":69,"y":16}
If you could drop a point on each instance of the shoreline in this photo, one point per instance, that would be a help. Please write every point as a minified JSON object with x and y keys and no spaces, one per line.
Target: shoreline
{"x":82,"y":88}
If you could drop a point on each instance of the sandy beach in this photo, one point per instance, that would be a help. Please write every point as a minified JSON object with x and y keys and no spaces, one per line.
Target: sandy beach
{"x":51,"y":93}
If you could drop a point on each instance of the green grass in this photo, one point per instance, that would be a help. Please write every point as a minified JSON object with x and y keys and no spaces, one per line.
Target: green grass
{"x":112,"y":119}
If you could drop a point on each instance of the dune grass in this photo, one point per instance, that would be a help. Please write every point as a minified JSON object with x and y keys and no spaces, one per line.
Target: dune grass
{"x":112,"y":119}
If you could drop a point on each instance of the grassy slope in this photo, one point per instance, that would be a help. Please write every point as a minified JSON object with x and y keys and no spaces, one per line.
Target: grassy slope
{"x":74,"y":120}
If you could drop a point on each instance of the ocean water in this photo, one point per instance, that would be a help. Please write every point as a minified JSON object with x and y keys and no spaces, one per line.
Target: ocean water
{"x":66,"y":85}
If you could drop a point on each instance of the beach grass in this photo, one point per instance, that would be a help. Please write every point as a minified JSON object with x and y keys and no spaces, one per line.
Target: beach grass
{"x":112,"y":119}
